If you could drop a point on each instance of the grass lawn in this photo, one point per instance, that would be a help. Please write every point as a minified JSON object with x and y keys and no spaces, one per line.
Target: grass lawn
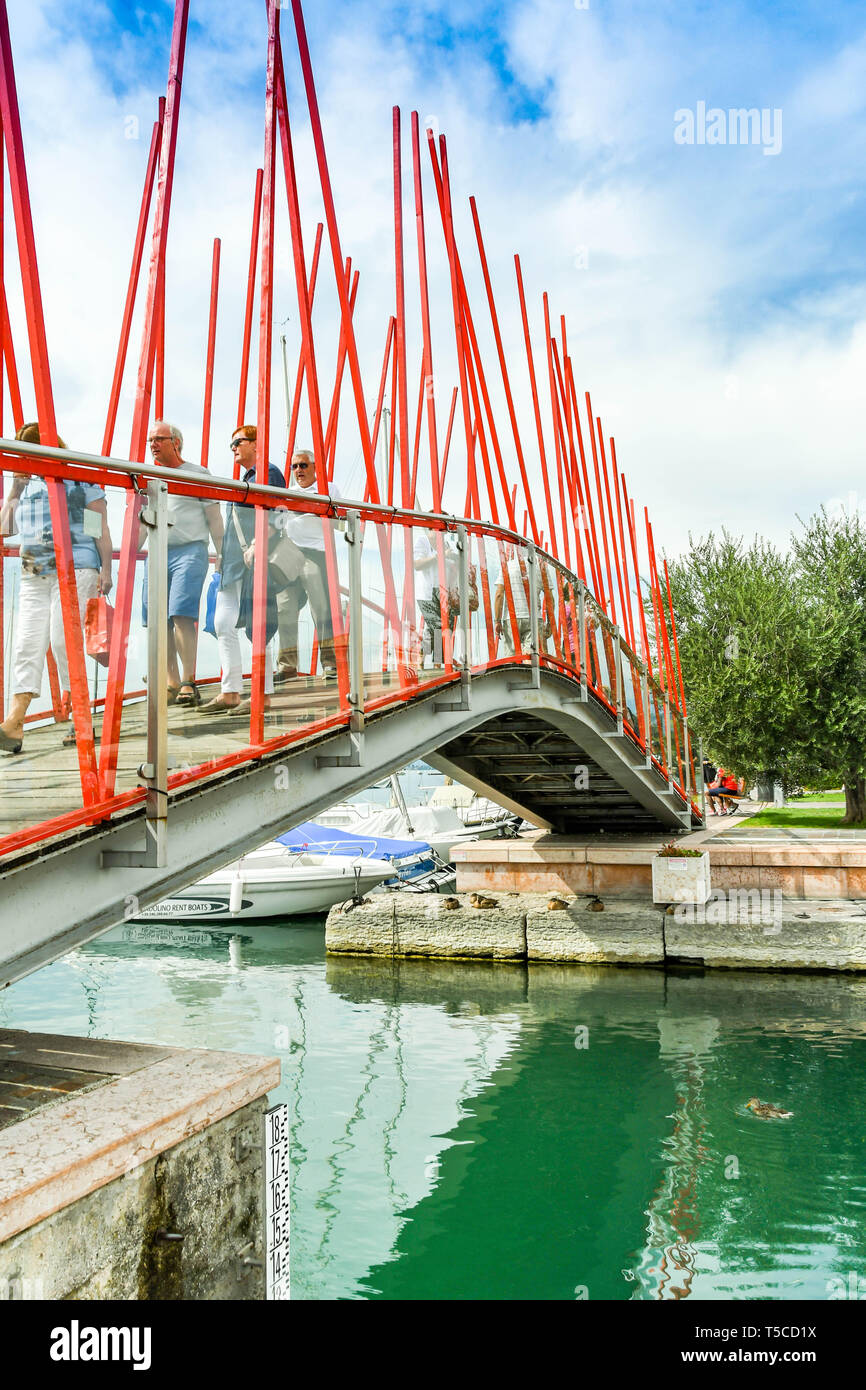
{"x":837,"y":798}
{"x":804,"y":818}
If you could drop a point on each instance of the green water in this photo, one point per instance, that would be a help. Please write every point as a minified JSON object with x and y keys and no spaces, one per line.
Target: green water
{"x":477,"y":1131}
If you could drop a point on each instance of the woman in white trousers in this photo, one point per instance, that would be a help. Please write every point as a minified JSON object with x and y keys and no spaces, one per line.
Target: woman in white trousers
{"x":39,"y":619}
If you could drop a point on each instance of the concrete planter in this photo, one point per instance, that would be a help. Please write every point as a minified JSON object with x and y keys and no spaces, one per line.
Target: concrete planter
{"x":685,"y":880}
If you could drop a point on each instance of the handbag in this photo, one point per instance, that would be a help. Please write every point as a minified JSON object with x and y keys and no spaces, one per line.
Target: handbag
{"x":286,"y":560}
{"x":210,"y":604}
{"x":98,"y":622}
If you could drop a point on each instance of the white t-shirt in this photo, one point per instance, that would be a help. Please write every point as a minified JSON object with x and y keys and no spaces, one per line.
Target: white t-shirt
{"x":307,"y":529}
{"x":427,"y":575}
{"x":186,"y":514}
{"x":518,"y":592}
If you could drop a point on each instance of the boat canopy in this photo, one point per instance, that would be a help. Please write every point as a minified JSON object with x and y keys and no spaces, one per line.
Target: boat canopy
{"x":327,"y":839}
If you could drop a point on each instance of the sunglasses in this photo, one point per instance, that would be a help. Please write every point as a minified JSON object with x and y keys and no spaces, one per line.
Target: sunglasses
{"x":305,"y":464}
{"x":236,"y":443}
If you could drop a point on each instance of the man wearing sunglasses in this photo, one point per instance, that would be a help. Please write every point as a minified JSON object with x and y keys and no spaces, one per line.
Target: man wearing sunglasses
{"x":192,"y":522}
{"x":308,"y":533}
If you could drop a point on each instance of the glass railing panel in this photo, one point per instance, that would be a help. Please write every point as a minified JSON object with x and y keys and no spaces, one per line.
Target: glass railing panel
{"x":427,"y":596}
{"x":509,"y":606}
{"x":558,"y":637}
{"x":39,"y":768}
{"x":484,"y":569}
{"x":632,"y":689}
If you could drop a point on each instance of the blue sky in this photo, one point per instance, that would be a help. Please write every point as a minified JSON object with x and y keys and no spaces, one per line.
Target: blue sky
{"x":715,"y":294}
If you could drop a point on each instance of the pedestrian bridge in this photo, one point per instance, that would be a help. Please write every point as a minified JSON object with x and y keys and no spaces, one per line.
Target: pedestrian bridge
{"x":573,"y":731}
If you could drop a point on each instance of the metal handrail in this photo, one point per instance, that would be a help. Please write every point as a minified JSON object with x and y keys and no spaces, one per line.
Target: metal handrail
{"x":66,"y":463}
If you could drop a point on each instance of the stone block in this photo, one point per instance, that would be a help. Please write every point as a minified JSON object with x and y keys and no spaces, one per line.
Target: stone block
{"x":409,"y":924}
{"x":815,"y":936}
{"x":623,"y":934}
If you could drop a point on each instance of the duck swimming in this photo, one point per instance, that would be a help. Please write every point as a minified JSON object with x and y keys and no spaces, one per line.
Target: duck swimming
{"x":768,"y":1111}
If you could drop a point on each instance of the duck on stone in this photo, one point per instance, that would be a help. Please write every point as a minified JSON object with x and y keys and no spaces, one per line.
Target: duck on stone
{"x":478,"y":900}
{"x":450,"y":904}
{"x":768,"y":1111}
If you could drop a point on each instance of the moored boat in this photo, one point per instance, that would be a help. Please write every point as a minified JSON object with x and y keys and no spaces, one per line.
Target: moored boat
{"x":278,"y":880}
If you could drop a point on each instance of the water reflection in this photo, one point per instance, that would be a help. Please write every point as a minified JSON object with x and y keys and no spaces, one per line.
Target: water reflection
{"x":452,"y":1138}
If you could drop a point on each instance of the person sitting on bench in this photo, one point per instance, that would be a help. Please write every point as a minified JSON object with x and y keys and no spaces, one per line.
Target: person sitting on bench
{"x":725,"y":790}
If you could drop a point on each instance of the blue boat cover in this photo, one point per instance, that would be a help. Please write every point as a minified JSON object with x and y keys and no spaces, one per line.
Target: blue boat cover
{"x":327,"y":839}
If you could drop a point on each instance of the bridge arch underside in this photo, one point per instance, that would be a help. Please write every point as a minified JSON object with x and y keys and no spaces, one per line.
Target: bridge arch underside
{"x":517,"y":742}
{"x":546,"y":772}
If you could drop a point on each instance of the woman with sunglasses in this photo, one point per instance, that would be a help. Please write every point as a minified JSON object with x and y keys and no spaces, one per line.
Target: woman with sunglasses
{"x":238,"y":553}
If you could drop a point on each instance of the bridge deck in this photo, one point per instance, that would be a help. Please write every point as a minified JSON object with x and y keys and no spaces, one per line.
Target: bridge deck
{"x":42,"y":781}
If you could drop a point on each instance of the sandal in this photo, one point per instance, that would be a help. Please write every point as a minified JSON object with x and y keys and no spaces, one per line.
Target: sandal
{"x":69,"y":740}
{"x":216,"y":706}
{"x":245,"y":706}
{"x":193,"y":698}
{"x":8,"y":744}
{"x":173,"y":692}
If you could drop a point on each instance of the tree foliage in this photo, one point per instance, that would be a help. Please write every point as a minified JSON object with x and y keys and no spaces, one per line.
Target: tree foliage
{"x":773,"y":650}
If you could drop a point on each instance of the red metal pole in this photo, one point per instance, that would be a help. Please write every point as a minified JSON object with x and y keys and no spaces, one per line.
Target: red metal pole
{"x":400,"y":387}
{"x":141,"y":411}
{"x":263,"y":416}
{"x":572,"y":475}
{"x":392,"y":440}
{"x":11,"y":121}
{"x":448,"y":439}
{"x":444,"y":196}
{"x":425,"y":319}
{"x":527,"y":491}
{"x":159,"y":387}
{"x":248,"y":309}
{"x":560,"y":448}
{"x":592,"y":441}
{"x":613,"y":540}
{"x":11,"y":367}
{"x":594,"y":553}
{"x":336,"y":253}
{"x":134,"y":276}
{"x":406,"y":495}
{"x":380,"y":399}
{"x":4,"y":332}
{"x":536,"y":407}
{"x":211,"y":346}
{"x":629,"y":516}
{"x":333,"y":416}
{"x":342,"y":291}
{"x":616,"y":483}
{"x":669,"y":665}
{"x":299,"y":376}
{"x":309,"y":352}
{"x":413,"y":485}
{"x":676,"y":643}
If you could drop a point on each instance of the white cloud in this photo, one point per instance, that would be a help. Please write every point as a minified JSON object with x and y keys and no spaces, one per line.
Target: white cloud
{"x":729,"y":371}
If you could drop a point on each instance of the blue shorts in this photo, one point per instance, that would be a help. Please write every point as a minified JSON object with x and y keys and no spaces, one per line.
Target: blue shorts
{"x":187,"y":572}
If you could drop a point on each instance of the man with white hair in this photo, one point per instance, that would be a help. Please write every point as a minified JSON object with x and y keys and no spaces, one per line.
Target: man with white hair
{"x":308,"y":532}
{"x":191,"y":521}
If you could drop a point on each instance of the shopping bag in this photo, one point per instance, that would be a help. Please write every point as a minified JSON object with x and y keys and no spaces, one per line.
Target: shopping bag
{"x":210,"y":603}
{"x":98,"y":620}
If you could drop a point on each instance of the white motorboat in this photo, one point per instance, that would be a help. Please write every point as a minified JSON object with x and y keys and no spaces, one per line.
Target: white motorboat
{"x":274,"y":881}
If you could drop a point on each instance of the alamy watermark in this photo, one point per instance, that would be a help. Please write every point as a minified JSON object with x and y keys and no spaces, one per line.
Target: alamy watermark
{"x":735,"y":126}
{"x":746,"y":907}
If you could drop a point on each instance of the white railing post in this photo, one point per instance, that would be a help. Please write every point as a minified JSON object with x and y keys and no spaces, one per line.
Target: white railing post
{"x":154,"y":772}
{"x":356,"y":620}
